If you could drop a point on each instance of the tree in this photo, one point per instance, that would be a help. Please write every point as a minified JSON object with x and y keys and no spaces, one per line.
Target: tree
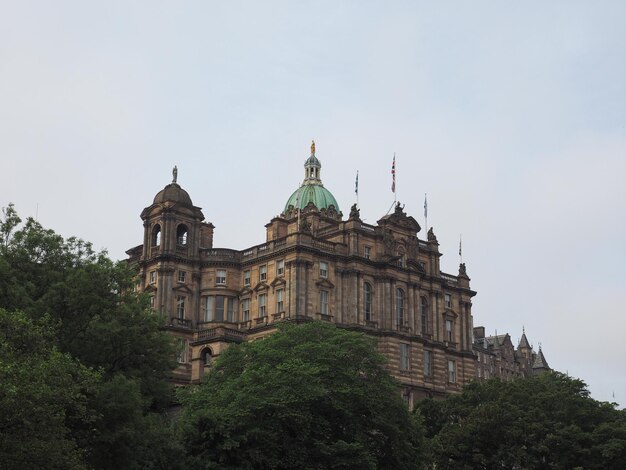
{"x":44,"y":397}
{"x":97,"y":320}
{"x":308,"y":396}
{"x":547,"y":421}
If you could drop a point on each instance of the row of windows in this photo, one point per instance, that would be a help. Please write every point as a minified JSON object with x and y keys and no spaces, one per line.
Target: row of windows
{"x":400,"y":309}
{"x":220,"y":274}
{"x":368,"y":295}
{"x":215,"y":312}
{"x":220,"y":308}
{"x":405,"y":363}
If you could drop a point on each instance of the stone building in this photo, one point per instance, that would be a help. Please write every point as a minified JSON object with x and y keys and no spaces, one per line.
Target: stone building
{"x":382,"y":280}
{"x":497,"y":357}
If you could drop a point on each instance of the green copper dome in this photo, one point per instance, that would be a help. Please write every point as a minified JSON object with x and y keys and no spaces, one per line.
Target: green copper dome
{"x":312,"y":189}
{"x":317,"y":194}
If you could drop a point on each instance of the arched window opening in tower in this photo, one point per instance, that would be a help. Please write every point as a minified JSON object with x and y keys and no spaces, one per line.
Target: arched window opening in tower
{"x":181,"y":235}
{"x":156,"y":235}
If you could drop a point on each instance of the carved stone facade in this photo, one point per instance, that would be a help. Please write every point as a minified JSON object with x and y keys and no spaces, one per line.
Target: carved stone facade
{"x":382,"y":280}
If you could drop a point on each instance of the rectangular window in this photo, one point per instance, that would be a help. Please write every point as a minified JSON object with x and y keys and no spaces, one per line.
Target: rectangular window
{"x":246,"y":277}
{"x":324,"y":302}
{"x":230,"y":310}
{"x":280,"y":267}
{"x":407,"y":399}
{"x":262,"y":299}
{"x":208,"y":309}
{"x":152,"y":277}
{"x":424,"y":314}
{"x":447,"y":300}
{"x":220,"y":277}
{"x":449,"y":331}
{"x":245,"y":309}
{"x":152,"y":302}
{"x":182,"y":350}
{"x":182,"y":276}
{"x":180,"y":306}
{"x":405,"y":356}
{"x":280,"y":306}
{"x":428,"y":364}
{"x":367,"y":252}
{"x":219,"y":308}
{"x":323,"y":269}
{"x":263,"y":273}
{"x":367,"y":300}
{"x":451,"y":372}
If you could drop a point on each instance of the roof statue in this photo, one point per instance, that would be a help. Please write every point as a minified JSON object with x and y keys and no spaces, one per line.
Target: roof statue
{"x":174,"y":174}
{"x":431,"y":235}
{"x":312,"y":147}
{"x":355,"y":213}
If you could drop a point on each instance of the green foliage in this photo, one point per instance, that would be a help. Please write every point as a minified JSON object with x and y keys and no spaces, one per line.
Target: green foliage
{"x":85,"y":311}
{"x":44,"y":397}
{"x":547,"y":421}
{"x":307,"y":396}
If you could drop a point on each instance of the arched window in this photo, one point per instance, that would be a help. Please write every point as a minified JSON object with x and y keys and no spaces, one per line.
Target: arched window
{"x":181,"y":235}
{"x":424,"y":314}
{"x":400,"y":307}
{"x":207,"y":356}
{"x":367,"y":301}
{"x":156,"y":235}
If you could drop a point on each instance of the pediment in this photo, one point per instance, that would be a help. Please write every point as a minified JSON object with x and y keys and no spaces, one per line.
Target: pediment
{"x":150,"y":288}
{"x":279,"y":281}
{"x":325,"y":283}
{"x":182,"y":288}
{"x":245,"y":291}
{"x":261,"y":286}
{"x":450,"y":313}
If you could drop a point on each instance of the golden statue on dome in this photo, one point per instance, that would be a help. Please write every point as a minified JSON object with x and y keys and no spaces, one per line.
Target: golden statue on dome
{"x":312,"y":147}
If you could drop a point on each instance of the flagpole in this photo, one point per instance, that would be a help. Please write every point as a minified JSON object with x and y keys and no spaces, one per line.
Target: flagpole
{"x":395,"y":194}
{"x":426,"y":211}
{"x":356,"y":188}
{"x":461,"y":247}
{"x":393,"y":179}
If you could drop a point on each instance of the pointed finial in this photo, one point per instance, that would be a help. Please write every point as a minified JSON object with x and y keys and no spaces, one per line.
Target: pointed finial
{"x":174,"y":174}
{"x":523,"y":330}
{"x":312,"y":147}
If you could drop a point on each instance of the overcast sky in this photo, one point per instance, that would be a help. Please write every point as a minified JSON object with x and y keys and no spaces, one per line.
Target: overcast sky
{"x":510,"y":115}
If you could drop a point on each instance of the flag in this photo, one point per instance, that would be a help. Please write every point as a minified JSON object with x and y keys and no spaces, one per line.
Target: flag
{"x":356,"y":183}
{"x":425,"y":206}
{"x":393,"y":174}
